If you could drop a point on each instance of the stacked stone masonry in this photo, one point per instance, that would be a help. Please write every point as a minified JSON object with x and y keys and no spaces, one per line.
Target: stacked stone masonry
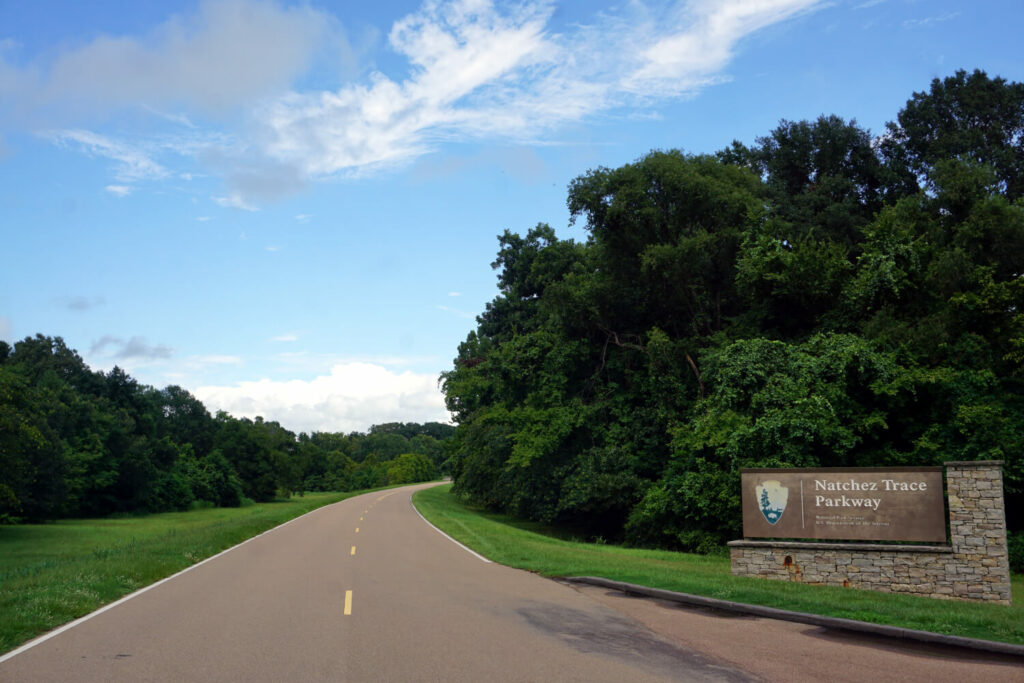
{"x":974,"y":566}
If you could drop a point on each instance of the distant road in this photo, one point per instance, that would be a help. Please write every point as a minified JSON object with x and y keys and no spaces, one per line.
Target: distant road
{"x":365,"y":590}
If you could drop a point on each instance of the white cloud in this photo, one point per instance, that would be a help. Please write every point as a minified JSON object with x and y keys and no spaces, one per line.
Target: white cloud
{"x":6,"y":329}
{"x":202,"y":219}
{"x":694,"y":53}
{"x":454,"y":293}
{"x":353,"y":396}
{"x":455,"y":48}
{"x":285,"y":338}
{"x":480,"y":73}
{"x":225,"y":54}
{"x":133,"y":163}
{"x":119,"y":190}
{"x":303,"y":217}
{"x":235,"y":201}
{"x":477,"y":70}
{"x":929,"y":21}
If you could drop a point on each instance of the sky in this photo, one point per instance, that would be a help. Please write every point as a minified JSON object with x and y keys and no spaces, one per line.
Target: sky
{"x":291,"y":209}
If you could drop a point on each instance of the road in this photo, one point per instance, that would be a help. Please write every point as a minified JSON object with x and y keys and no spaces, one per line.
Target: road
{"x":365,"y":590}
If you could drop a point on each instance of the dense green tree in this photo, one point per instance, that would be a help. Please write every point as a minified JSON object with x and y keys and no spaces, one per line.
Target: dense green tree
{"x":212,"y":479}
{"x":29,"y":452}
{"x":965,"y":117}
{"x":409,"y":468}
{"x":34,"y":356}
{"x":74,"y":442}
{"x":185,"y":419}
{"x":823,"y":298}
{"x":249,"y":448}
{"x":664,"y":235}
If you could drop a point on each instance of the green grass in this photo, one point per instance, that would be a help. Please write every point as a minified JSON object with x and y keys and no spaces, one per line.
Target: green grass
{"x":533,"y":547}
{"x":53,"y":573}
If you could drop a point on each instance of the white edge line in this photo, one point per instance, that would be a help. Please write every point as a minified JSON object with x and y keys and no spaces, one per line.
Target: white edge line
{"x":71,"y":624}
{"x":471,"y":552}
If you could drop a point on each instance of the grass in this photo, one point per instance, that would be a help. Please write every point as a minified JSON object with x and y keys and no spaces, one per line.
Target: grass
{"x":533,"y":547}
{"x":53,"y":573}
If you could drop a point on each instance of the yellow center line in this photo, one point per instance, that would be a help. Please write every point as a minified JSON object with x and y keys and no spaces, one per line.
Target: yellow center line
{"x":353,"y":551}
{"x":348,"y":603}
{"x":360,"y":519}
{"x":357,"y":530}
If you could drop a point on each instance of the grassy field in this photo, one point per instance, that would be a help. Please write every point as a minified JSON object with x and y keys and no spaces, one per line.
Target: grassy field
{"x":53,"y":573}
{"x":531,"y":546}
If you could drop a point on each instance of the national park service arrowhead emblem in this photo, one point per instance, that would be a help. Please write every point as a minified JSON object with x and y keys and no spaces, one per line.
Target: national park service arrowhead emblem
{"x":772,"y":497}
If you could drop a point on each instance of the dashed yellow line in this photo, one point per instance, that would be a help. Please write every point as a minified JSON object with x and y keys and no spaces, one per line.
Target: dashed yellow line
{"x":348,"y":603}
{"x":357,"y":530}
{"x":353,"y":551}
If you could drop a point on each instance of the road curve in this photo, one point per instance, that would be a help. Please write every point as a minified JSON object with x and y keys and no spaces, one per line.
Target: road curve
{"x":365,"y":590}
{"x":420,"y":608}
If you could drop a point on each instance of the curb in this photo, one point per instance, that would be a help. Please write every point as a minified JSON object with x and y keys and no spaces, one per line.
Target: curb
{"x":802,"y":618}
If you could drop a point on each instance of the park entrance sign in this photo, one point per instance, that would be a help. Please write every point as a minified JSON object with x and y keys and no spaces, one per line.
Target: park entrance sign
{"x":879,"y":529}
{"x":868,"y":503}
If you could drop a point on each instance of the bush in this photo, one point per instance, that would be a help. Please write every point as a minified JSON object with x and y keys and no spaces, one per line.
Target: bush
{"x":171,"y":491}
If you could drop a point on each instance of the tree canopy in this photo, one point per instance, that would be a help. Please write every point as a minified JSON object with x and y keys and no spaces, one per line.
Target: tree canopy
{"x":821,"y":298}
{"x":74,"y":442}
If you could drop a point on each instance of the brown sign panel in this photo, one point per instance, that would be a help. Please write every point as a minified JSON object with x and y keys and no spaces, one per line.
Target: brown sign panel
{"x":868,"y":503}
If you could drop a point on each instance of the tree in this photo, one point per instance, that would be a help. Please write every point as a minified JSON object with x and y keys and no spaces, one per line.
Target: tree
{"x":212,"y":479}
{"x":825,"y":177}
{"x":801,"y":302}
{"x":28,"y":452}
{"x":185,"y":419}
{"x":665,"y":232}
{"x":409,"y":468}
{"x":966,"y":117}
{"x":245,"y":446}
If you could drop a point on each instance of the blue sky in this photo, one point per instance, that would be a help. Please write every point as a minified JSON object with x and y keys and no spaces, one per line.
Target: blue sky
{"x":291,"y":209}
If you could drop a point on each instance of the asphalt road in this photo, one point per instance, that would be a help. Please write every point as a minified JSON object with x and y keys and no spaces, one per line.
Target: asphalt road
{"x":365,"y":590}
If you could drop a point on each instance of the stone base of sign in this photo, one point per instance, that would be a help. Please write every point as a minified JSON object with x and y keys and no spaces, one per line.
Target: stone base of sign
{"x":974,"y":566}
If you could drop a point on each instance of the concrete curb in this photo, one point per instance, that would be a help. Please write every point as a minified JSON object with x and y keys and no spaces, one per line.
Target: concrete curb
{"x":802,"y":618}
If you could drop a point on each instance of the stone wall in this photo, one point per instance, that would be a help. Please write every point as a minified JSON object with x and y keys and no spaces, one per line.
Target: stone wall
{"x":974,"y":566}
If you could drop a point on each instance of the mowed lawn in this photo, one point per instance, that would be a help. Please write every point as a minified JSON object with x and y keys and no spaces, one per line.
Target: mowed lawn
{"x":53,"y":573}
{"x":531,"y":546}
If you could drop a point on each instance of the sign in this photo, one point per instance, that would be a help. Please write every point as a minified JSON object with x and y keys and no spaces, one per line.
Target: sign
{"x":867,"y":503}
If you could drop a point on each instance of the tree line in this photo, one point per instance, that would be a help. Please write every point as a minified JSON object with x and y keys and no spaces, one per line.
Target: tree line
{"x":819,"y":298}
{"x":75,"y":442}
